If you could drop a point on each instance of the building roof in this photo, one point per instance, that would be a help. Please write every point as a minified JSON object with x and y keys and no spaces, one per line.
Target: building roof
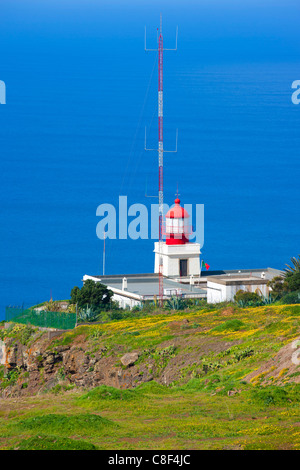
{"x":236,"y":280}
{"x":269,"y":273}
{"x":147,"y":286}
{"x":177,"y":212}
{"x":241,"y":276}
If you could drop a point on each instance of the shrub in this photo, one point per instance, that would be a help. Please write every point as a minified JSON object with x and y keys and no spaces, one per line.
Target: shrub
{"x":104,"y":392}
{"x":65,"y":424}
{"x":291,"y":298}
{"x":52,"y":306}
{"x":116,"y":315}
{"x":208,"y":366}
{"x":239,"y":355}
{"x":176,"y":303}
{"x":275,"y":395}
{"x":87,"y":314}
{"x":233,"y":325}
{"x":95,"y":334}
{"x":244,"y":298}
{"x":26,"y":334}
{"x":152,"y":388}
{"x":10,"y":378}
{"x":53,"y":443}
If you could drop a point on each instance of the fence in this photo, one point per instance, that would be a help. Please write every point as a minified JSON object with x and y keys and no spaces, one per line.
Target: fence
{"x":59,"y":320}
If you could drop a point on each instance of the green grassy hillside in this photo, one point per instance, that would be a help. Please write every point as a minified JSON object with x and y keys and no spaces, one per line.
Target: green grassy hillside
{"x":220,"y":379}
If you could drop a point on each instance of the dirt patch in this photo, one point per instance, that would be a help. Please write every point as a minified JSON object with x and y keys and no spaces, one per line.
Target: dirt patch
{"x":282,"y":368}
{"x":227,"y":312}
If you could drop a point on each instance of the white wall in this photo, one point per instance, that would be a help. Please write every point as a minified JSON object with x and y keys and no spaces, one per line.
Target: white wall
{"x":261,"y":289}
{"x":220,"y":293}
{"x":124,"y":299}
{"x":125,"y":302}
{"x":171,"y":255}
{"x":215,"y":292}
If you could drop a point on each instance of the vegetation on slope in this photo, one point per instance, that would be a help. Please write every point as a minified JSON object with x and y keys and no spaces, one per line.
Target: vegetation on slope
{"x":216,"y":396}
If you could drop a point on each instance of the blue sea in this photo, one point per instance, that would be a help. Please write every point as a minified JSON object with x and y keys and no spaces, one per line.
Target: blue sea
{"x":80,"y":91}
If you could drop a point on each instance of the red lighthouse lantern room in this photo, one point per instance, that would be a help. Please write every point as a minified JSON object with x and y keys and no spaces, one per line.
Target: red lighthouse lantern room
{"x":177,"y":228}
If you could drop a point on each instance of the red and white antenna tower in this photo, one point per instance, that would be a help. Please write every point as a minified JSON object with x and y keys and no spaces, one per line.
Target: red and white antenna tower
{"x":160,"y":150}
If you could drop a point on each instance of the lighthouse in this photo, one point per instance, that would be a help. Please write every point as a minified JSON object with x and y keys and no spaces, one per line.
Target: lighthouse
{"x":180,"y":257}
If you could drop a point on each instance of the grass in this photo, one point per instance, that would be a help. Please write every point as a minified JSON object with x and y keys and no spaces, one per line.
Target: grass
{"x":62,"y":424}
{"x":156,"y":417}
{"x":233,"y":325}
{"x":208,"y":405}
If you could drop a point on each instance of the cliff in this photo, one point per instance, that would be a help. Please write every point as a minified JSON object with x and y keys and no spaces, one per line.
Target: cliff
{"x":256,"y":345}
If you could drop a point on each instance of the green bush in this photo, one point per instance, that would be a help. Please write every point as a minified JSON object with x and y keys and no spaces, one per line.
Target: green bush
{"x":275,"y":395}
{"x":95,"y":334}
{"x":10,"y":378}
{"x":87,"y":314}
{"x":116,"y":315}
{"x":208,"y":366}
{"x":26,"y":334}
{"x":244,"y":298}
{"x":176,"y":303}
{"x":151,"y":388}
{"x":233,"y":325}
{"x":104,"y":392}
{"x":239,"y":355}
{"x":65,"y":424}
{"x":291,"y":298}
{"x":53,"y":443}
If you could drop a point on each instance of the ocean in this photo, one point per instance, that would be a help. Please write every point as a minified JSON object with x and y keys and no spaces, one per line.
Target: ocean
{"x":80,"y":90}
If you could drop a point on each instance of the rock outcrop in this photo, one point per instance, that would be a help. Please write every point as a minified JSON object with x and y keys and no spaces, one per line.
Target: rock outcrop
{"x":129,"y":359}
{"x":44,"y":365}
{"x":286,"y":361}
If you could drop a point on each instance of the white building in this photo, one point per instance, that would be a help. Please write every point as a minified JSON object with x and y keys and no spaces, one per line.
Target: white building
{"x":224,"y":287}
{"x":131,"y":290}
{"x":182,"y":271}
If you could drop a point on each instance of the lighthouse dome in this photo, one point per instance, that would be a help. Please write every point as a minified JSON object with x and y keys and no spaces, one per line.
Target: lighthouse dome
{"x":176,"y":226}
{"x":177,"y":212}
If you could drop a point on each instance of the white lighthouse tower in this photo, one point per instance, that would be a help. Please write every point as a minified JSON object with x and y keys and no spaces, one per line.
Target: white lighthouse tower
{"x":180,"y":257}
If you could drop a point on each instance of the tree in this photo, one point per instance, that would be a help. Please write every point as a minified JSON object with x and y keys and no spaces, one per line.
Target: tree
{"x":92,"y":293}
{"x":278,"y":286}
{"x":296,"y":269}
{"x":293,"y":282}
{"x":292,"y":275}
{"x":288,"y":282}
{"x":75,"y":292}
{"x":291,"y":298}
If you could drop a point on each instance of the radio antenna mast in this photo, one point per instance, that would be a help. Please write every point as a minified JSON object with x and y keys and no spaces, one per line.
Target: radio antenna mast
{"x":160,"y":149}
{"x":104,"y":236}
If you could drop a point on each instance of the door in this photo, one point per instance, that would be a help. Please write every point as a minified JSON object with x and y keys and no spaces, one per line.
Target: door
{"x":183,"y":267}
